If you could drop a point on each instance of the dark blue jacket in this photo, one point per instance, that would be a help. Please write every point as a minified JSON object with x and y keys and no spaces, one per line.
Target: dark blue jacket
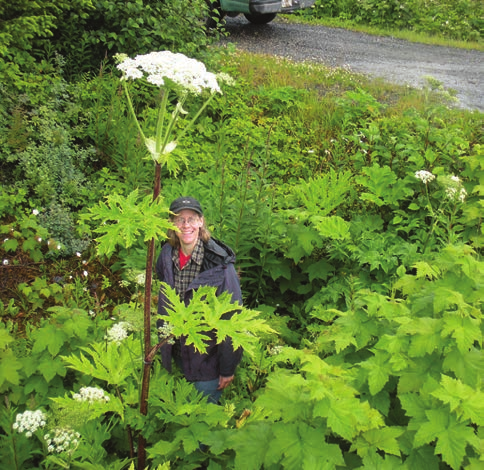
{"x":217,"y":271}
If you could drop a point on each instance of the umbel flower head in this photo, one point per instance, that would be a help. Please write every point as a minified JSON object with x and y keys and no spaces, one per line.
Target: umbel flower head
{"x":454,"y":191}
{"x":189,"y":74}
{"x":424,"y":176}
{"x":118,"y":332}
{"x":29,"y":421}
{"x":62,"y":440}
{"x":91,"y":395}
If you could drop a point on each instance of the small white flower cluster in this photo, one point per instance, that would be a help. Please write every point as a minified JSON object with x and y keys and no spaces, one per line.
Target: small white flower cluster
{"x":225,"y":78}
{"x":454,"y":190}
{"x":275,"y":350}
{"x":140,"y":279}
{"x":91,"y":395}
{"x":424,"y":176}
{"x":62,"y":440}
{"x":185,"y":72}
{"x":166,"y":331}
{"x":119,"y":332}
{"x":29,"y":422}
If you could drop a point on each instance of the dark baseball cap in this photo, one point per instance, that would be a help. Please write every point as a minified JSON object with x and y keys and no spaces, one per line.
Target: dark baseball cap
{"x":185,"y":202}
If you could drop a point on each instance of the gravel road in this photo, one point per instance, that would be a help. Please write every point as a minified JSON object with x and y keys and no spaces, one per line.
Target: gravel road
{"x":394,"y":60}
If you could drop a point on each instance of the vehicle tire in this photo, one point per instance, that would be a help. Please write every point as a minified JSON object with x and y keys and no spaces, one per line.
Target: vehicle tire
{"x":260,"y":19}
{"x":214,"y":14}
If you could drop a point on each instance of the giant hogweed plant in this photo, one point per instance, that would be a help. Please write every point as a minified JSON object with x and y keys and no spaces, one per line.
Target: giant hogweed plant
{"x":173,"y":77}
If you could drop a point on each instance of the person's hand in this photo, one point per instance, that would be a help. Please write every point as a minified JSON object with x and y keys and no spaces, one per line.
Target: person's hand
{"x":224,"y":382}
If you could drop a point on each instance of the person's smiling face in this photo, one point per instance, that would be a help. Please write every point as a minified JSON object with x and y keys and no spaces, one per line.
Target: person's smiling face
{"x":188,"y":223}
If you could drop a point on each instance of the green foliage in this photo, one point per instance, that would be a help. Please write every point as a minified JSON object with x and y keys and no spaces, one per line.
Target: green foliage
{"x":207,"y":312}
{"x":34,"y":373}
{"x":372,"y":277}
{"x":124,"y":220}
{"x":136,"y":27}
{"x":419,"y":348}
{"x":86,"y":31}
{"x":452,"y":19}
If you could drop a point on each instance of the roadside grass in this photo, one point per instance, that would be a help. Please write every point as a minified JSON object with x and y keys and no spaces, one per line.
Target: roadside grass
{"x":326,"y":83}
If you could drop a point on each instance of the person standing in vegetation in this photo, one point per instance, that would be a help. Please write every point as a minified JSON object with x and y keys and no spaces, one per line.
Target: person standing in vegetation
{"x":192,"y":259}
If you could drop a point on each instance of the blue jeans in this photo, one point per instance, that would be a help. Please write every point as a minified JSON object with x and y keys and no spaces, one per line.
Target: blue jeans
{"x":209,"y":389}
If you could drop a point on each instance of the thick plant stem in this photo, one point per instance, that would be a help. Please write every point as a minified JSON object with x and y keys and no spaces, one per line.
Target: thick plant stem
{"x":149,"y":352}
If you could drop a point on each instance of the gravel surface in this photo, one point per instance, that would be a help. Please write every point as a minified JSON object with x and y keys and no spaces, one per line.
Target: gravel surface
{"x":394,"y":60}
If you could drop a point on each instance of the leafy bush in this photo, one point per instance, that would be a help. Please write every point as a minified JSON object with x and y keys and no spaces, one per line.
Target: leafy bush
{"x":461,"y":20}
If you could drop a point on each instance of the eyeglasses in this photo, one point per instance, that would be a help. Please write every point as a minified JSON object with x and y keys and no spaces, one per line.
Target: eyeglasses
{"x":180,"y":221}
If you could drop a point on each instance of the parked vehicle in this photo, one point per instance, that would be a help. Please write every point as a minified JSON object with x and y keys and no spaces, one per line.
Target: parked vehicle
{"x":256,"y":11}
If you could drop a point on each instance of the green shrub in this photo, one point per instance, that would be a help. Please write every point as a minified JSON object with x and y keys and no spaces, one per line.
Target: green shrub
{"x":460,"y":20}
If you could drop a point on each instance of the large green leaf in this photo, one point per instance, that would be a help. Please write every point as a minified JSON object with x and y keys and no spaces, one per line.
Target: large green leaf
{"x":51,"y":337}
{"x":123,"y":220}
{"x":9,"y":368}
{"x":332,"y":227}
{"x":452,"y":436}
{"x":300,"y":446}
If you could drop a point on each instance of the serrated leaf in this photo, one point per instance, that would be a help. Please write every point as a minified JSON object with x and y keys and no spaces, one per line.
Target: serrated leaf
{"x":250,"y":445}
{"x":94,"y":410}
{"x":49,"y":337}
{"x":209,"y":312}
{"x":423,"y":457}
{"x":345,"y":416}
{"x":319,"y":270}
{"x":332,"y":227}
{"x":322,"y":194}
{"x":465,"y":330}
{"x":110,"y":362}
{"x":303,"y":241}
{"x":425,"y":337}
{"x":9,"y":367}
{"x":286,"y":397}
{"x":452,"y":437}
{"x":5,"y":338}
{"x":50,"y":367}
{"x":467,"y":402}
{"x":10,"y":245}
{"x":299,"y":446}
{"x":468,"y":366}
{"x":379,"y":371}
{"x":38,"y":384}
{"x":122,"y":220}
{"x":425,"y":270}
{"x":384,"y":439}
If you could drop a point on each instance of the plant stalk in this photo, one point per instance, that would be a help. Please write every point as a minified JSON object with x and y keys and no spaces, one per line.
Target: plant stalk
{"x":149,"y":352}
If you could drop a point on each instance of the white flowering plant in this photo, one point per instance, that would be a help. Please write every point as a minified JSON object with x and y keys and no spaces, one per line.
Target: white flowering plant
{"x":448,"y":198}
{"x":173,"y":74}
{"x":29,"y":422}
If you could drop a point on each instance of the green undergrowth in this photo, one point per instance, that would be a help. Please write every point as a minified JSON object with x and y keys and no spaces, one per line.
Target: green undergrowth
{"x":362,"y":276}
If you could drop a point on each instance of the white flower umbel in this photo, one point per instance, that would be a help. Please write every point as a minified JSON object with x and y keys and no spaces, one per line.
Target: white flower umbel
{"x":166,"y":331}
{"x":171,"y":72}
{"x":91,"y":395}
{"x":454,"y":190}
{"x":275,"y":350}
{"x":118,"y":332}
{"x":29,"y":421}
{"x":188,"y":73}
{"x":424,"y":176}
{"x":62,"y":440}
